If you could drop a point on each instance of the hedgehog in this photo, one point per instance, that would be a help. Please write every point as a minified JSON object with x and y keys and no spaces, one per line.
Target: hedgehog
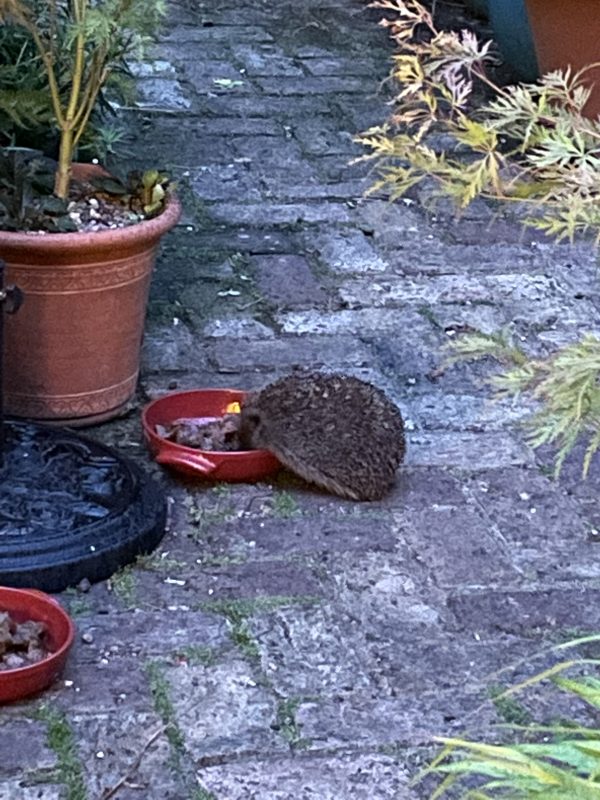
{"x":333,"y":430}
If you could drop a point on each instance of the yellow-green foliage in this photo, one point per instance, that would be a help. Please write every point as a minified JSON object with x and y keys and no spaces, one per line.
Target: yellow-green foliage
{"x":566,"y":384}
{"x":528,"y":143}
{"x":24,"y":99}
{"x":555,"y":762}
{"x":80,"y":43}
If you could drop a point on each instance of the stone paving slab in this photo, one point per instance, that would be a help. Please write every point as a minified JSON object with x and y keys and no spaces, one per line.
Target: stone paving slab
{"x":513,"y":288}
{"x":224,"y":712}
{"x":109,"y":744}
{"x":346,"y":251}
{"x":287,"y":281}
{"x":309,"y":352}
{"x":286,"y":644}
{"x":144,"y":635}
{"x":315,"y":654}
{"x":19,"y":788}
{"x":544,"y":608}
{"x":439,"y":533}
{"x":98,"y":687}
{"x":453,"y":411}
{"x":362,"y":776}
{"x":251,"y":540}
{"x":350,"y":321}
{"x":525,"y":511}
{"x":23,"y":748}
{"x":467,"y":450}
{"x":269,"y":213}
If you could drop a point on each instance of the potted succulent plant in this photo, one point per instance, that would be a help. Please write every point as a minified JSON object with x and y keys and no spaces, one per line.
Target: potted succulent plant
{"x":82,"y":248}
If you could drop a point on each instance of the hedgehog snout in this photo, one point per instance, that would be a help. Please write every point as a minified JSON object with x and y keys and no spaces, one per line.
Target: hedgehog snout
{"x":250,"y":430}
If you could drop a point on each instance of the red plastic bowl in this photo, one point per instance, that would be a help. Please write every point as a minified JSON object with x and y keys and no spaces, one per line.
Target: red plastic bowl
{"x":216,"y":465}
{"x":22,"y":605}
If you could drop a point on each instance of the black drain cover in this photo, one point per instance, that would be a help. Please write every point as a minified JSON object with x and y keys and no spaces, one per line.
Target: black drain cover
{"x":70,"y":508}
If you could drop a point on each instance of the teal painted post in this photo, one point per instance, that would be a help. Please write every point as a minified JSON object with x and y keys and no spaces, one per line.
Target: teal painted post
{"x":512,"y":32}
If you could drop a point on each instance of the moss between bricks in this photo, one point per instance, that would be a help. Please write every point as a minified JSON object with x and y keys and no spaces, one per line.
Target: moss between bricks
{"x":69,"y":770}
{"x":203,"y":519}
{"x":243,"y":608}
{"x":159,"y":688}
{"x":196,"y":654}
{"x":159,"y":562}
{"x":284,"y":505}
{"x":163,"y":705}
{"x":199,"y":793}
{"x":287,"y":725}
{"x":222,"y":561}
{"x":78,"y":605}
{"x":123,"y":584}
{"x":237,"y":613}
{"x":509,"y":709}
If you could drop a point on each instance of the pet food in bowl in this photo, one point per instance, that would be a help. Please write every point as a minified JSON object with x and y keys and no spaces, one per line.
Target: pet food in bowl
{"x":205,"y":433}
{"x":21,"y":643}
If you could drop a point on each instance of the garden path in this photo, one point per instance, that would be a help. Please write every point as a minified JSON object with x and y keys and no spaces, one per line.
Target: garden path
{"x":299,"y":646}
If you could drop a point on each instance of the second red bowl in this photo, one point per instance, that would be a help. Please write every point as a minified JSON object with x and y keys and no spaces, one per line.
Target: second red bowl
{"x":29,"y":604}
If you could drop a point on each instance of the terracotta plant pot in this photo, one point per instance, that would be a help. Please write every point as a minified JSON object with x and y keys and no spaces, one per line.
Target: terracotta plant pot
{"x":567,"y":33}
{"x":72,"y":351}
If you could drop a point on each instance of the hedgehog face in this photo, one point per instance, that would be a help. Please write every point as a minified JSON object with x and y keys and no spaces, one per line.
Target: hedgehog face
{"x":252,"y":434}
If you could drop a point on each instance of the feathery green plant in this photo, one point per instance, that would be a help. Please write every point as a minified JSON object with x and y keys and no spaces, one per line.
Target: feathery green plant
{"x":528,"y":143}
{"x":80,"y":44}
{"x":562,"y":764}
{"x":24,"y":98}
{"x":566,"y":385}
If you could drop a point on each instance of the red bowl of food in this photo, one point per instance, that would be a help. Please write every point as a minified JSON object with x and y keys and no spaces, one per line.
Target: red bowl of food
{"x":53,"y":639}
{"x":196,"y":409}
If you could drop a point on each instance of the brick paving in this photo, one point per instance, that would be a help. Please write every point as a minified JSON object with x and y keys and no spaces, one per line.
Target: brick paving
{"x":284,"y":644}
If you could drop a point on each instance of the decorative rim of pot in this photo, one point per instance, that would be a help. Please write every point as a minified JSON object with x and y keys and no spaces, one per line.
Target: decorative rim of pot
{"x":145,"y":230}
